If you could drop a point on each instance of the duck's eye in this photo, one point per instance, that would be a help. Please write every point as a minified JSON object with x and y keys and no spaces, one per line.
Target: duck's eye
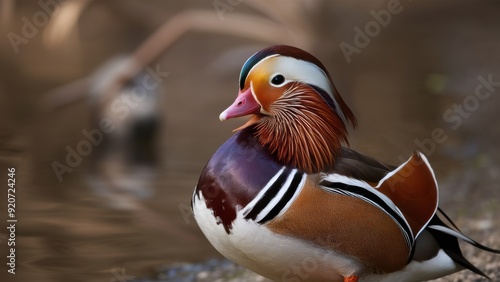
{"x":278,"y":79}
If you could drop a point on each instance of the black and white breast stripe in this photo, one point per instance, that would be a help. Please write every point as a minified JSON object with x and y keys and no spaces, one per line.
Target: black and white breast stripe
{"x":276,"y":197}
{"x":349,"y":187}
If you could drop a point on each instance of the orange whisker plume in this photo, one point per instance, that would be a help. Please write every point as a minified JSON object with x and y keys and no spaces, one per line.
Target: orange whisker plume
{"x":303,"y":130}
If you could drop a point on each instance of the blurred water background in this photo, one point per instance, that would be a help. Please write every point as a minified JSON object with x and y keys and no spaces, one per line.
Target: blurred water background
{"x":104,"y":181}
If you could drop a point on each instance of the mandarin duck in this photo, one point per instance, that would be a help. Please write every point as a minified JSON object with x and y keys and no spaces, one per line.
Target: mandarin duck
{"x":286,"y":198}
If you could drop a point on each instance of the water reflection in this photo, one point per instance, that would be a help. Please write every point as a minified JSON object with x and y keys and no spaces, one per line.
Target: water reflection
{"x":126,"y":207}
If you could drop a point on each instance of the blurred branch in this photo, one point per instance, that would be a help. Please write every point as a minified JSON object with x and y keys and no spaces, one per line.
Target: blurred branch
{"x":63,"y":22}
{"x":235,"y":24}
{"x":291,"y":14}
{"x":66,"y":95}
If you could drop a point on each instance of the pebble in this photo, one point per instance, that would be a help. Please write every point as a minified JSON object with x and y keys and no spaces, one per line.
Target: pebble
{"x":213,"y":270}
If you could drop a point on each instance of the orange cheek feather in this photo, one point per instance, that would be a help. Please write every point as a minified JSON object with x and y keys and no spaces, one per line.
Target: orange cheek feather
{"x":264,"y":92}
{"x":267,"y":94}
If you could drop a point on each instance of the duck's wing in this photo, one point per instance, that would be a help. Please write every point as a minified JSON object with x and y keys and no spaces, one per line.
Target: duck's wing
{"x":411,"y":187}
{"x":358,"y":166}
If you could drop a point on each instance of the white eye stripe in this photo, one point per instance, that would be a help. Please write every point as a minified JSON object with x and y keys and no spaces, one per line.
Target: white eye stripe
{"x":294,"y":69}
{"x":302,"y":71}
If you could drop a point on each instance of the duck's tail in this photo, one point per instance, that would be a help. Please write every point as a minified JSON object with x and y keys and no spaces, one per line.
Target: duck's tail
{"x":447,"y":234}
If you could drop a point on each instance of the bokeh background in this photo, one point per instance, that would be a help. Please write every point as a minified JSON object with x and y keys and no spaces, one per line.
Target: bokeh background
{"x":122,"y":212}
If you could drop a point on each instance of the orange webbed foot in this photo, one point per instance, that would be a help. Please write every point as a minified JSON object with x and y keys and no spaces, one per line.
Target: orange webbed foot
{"x":351,"y":279}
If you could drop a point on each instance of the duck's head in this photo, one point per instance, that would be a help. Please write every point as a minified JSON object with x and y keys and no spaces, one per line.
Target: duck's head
{"x":297,"y":112}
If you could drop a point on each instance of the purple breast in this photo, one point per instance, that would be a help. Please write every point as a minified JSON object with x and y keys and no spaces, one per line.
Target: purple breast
{"x":234,"y":176}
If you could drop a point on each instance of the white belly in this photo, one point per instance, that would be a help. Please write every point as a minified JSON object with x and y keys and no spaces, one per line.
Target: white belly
{"x":275,"y":256}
